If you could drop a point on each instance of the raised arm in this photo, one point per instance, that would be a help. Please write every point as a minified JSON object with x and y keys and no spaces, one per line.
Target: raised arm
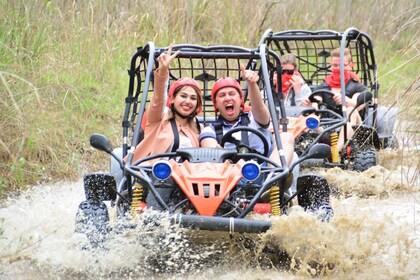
{"x":259,"y":110}
{"x":157,"y":102}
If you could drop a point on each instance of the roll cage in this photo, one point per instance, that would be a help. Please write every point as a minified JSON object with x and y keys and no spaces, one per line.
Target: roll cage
{"x":205,"y":65}
{"x":312,"y":48}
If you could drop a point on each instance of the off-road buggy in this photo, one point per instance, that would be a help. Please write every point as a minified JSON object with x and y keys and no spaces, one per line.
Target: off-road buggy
{"x":206,"y":188}
{"x":312,"y":49}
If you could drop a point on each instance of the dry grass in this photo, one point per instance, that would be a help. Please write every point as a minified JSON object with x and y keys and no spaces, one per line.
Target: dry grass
{"x":63,"y":64}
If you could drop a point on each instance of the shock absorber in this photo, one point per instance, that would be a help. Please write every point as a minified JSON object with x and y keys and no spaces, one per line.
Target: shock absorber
{"x":275,"y":200}
{"x":335,"y":157}
{"x":137,"y":201}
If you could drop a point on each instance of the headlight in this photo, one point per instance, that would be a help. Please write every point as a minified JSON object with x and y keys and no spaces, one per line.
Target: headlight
{"x":251,"y":171}
{"x":161,"y":170}
{"x":312,"y":122}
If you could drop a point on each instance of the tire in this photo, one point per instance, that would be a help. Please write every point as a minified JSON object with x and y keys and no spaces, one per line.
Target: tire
{"x":390,"y":143}
{"x":313,"y":191}
{"x":314,"y":196}
{"x":92,"y":220}
{"x":365,"y":159}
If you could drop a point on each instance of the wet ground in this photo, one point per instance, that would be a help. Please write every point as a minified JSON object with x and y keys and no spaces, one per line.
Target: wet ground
{"x":374,"y":234}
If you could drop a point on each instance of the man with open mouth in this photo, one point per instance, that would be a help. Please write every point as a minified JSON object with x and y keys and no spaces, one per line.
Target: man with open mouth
{"x":229,"y":104}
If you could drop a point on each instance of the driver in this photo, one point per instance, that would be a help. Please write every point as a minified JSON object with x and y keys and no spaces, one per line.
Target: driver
{"x":353,"y":86}
{"x":229,"y":104}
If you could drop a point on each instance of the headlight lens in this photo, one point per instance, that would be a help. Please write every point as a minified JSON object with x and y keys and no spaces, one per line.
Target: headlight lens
{"x":251,"y":171}
{"x":161,"y":170}
{"x":312,"y":122}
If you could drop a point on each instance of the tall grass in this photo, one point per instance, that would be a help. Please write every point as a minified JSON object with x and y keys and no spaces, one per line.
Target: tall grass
{"x":63,"y":64}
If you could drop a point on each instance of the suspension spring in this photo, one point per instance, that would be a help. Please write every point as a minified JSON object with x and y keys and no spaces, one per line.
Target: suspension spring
{"x":137,"y":200}
{"x":275,"y":200}
{"x":335,"y":157}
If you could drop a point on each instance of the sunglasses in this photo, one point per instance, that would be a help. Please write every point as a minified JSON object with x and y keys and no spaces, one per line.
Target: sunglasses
{"x":287,"y":71}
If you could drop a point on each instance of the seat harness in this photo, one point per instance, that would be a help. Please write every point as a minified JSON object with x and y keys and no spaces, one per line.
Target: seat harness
{"x":175,"y":146}
{"x":218,"y":128}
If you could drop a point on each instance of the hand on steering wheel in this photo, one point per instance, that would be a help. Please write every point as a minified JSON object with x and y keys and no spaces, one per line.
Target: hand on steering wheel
{"x":324,"y":94}
{"x":228,"y":137}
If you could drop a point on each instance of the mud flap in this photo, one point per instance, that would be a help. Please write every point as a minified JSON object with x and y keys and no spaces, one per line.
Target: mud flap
{"x":99,"y":187}
{"x":314,"y":194}
{"x":92,"y":220}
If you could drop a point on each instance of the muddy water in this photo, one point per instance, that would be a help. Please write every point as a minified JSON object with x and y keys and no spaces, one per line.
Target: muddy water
{"x":375,"y":234}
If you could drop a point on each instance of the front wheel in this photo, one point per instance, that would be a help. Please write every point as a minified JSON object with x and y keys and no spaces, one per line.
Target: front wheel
{"x":92,"y":220}
{"x":314,"y":195}
{"x":365,"y":159}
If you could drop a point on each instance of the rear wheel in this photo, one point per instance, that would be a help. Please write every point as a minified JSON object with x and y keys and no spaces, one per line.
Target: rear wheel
{"x":365,"y":159}
{"x":391,"y":143}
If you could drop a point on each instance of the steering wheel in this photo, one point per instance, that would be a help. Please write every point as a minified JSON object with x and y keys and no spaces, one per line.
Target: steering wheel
{"x":325,"y":94}
{"x":327,"y":119}
{"x":239,"y":145}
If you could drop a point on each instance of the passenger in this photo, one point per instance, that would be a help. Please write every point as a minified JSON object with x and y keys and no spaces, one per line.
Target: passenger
{"x":168,"y":129}
{"x":295,"y":91}
{"x":293,"y":86}
{"x":228,"y":102}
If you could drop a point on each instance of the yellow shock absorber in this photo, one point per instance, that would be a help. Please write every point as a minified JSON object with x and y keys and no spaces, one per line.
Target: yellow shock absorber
{"x":137,"y":198}
{"x":275,"y":200}
{"x":334,"y":148}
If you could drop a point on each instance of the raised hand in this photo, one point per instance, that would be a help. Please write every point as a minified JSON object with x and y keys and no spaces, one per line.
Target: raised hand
{"x":165,"y":59}
{"x":297,"y":83}
{"x":249,"y":75}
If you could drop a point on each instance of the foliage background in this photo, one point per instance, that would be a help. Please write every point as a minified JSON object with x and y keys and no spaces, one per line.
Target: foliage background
{"x":63,"y":65}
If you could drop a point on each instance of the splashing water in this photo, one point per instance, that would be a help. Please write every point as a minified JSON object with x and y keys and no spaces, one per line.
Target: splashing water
{"x":374,"y":234}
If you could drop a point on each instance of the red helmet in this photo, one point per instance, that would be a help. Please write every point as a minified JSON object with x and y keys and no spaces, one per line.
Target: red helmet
{"x":226,"y":82}
{"x":185,"y":82}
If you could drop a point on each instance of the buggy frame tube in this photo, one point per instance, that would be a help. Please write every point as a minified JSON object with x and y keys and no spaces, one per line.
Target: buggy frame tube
{"x":271,"y":103}
{"x":129,"y":102}
{"x":343,"y":86}
{"x":270,"y":179}
{"x":150,"y":65}
{"x":338,"y":124}
{"x":267,"y":33}
{"x":125,"y":122}
{"x":225,"y":224}
{"x":149,"y":185}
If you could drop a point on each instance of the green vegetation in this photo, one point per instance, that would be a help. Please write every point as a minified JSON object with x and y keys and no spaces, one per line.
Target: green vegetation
{"x":63,"y":64}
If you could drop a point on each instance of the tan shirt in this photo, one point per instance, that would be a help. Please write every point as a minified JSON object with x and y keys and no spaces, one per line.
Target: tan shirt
{"x":159,"y":136}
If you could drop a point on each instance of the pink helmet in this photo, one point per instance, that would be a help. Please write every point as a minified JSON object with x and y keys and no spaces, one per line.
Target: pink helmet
{"x":186,"y":82}
{"x":226,"y":82}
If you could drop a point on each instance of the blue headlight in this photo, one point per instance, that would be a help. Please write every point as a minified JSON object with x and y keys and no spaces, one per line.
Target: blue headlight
{"x":251,"y":171}
{"x":312,"y":122}
{"x":161,"y":170}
